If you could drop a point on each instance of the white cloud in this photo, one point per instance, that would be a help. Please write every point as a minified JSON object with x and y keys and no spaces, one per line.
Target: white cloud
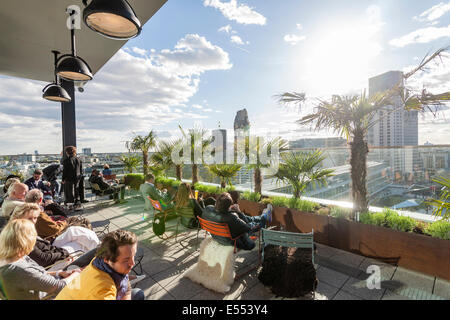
{"x":139,"y":51}
{"x":226,"y":29}
{"x":130,"y":93}
{"x":293,"y":39}
{"x":240,"y":13}
{"x":299,"y":26}
{"x":423,"y":35}
{"x":197,"y":106}
{"x":434,"y":12}
{"x":237,"y":40}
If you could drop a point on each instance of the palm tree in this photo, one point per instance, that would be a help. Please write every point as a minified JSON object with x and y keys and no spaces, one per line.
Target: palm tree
{"x":143,"y":144}
{"x":442,"y":205}
{"x":163,"y":156}
{"x":352,"y":116}
{"x":301,"y":170}
{"x":130,"y":162}
{"x":259,"y":147}
{"x":225,"y":172}
{"x":198,"y":141}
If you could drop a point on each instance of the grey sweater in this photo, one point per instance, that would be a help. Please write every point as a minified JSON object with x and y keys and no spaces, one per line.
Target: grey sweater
{"x":24,"y":279}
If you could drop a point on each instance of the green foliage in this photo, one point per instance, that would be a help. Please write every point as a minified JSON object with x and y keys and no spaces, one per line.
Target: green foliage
{"x":130,"y":162}
{"x":301,"y":170}
{"x":390,"y":219}
{"x":439,"y":229}
{"x":225,"y":172}
{"x":339,"y":212}
{"x":251,"y":196}
{"x":230,"y":188}
{"x":442,"y":205}
{"x":134,"y":180}
{"x":302,"y":205}
{"x":279,"y":201}
{"x":400,"y":223}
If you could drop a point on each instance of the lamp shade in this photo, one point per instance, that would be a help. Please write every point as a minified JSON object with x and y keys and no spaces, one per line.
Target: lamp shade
{"x":55,"y":92}
{"x":113,"y":19}
{"x":73,"y":68}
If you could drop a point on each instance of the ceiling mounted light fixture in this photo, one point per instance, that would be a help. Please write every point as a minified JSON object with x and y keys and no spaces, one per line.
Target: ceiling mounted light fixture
{"x":70,"y":66}
{"x":54,"y":91}
{"x":114,"y":19}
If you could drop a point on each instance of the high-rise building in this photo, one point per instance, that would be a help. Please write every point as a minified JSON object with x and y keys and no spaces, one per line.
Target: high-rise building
{"x":87,"y":151}
{"x":220,"y":144}
{"x":241,"y":131}
{"x":393,"y":128}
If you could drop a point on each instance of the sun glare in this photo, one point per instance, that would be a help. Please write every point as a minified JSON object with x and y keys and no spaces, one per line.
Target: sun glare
{"x":340,"y":58}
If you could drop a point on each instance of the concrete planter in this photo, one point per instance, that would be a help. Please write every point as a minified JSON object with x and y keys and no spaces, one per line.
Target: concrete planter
{"x":406,"y":249}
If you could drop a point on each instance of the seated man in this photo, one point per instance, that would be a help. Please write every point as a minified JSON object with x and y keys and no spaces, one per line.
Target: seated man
{"x":255,"y":222}
{"x":107,"y":276}
{"x":97,"y":179}
{"x":221,"y":213}
{"x":51,"y":173}
{"x":16,"y":197}
{"x":106,"y":170}
{"x":148,"y":189}
{"x":72,"y":234}
{"x":35,"y":182}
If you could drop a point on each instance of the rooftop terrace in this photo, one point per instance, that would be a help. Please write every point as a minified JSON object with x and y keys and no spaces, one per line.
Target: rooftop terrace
{"x":342,"y":275}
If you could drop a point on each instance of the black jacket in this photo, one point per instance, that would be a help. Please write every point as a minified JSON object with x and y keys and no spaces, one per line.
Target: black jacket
{"x":45,"y":254}
{"x":51,"y":172}
{"x":72,"y":170}
{"x":236,"y":225}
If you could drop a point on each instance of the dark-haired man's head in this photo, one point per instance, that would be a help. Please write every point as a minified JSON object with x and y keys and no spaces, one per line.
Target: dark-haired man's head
{"x":71,"y":151}
{"x":235,"y":195}
{"x":223,"y":203}
{"x":118,"y":249}
{"x":150,"y":178}
{"x":95,"y":172}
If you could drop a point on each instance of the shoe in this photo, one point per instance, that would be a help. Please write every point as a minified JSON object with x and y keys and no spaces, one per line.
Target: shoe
{"x":84,"y":201}
{"x":137,"y":279}
{"x":77,"y":207}
{"x":268,"y":211}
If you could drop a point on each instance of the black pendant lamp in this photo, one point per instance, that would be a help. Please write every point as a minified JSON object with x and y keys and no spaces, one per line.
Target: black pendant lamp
{"x":71,"y":67}
{"x":113,"y":19}
{"x":54,"y":91}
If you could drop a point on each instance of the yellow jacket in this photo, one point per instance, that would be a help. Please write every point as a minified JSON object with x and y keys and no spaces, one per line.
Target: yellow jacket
{"x":91,"y":284}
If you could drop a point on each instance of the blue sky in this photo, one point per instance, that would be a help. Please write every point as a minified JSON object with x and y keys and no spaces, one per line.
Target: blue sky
{"x":200,"y":61}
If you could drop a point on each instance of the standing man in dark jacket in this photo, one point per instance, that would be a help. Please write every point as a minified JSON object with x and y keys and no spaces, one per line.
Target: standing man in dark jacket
{"x":72,"y":171}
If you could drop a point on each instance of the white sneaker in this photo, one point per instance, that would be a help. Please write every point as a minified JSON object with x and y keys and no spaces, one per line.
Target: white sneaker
{"x":137,"y":279}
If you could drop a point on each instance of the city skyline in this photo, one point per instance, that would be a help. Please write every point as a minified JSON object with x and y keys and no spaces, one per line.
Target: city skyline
{"x":199,"y":63}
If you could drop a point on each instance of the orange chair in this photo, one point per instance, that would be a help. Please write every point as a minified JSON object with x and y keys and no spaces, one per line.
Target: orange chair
{"x":162,"y":213}
{"x":222,"y":230}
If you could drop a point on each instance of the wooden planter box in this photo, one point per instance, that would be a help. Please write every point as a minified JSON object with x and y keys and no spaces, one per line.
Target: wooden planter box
{"x":406,"y":249}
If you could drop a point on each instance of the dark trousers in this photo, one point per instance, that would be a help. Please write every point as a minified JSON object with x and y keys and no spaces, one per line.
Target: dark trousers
{"x":81,"y":188}
{"x":71,"y":191}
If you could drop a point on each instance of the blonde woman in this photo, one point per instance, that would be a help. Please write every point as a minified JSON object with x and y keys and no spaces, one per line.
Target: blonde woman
{"x":187,"y":206}
{"x":22,"y":278}
{"x":43,"y":253}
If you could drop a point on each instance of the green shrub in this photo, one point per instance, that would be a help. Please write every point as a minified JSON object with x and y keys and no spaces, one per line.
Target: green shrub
{"x":251,"y":196}
{"x":200,"y":187}
{"x":230,"y":188}
{"x":439,"y":229}
{"x":175,"y":183}
{"x":279,"y":201}
{"x":134,"y":180}
{"x":373,"y":218}
{"x":266,"y":201}
{"x":339,"y":212}
{"x":302,"y":205}
{"x":400,"y":223}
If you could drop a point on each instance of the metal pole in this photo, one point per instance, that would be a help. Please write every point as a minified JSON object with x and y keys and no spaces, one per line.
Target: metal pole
{"x":69,"y":133}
